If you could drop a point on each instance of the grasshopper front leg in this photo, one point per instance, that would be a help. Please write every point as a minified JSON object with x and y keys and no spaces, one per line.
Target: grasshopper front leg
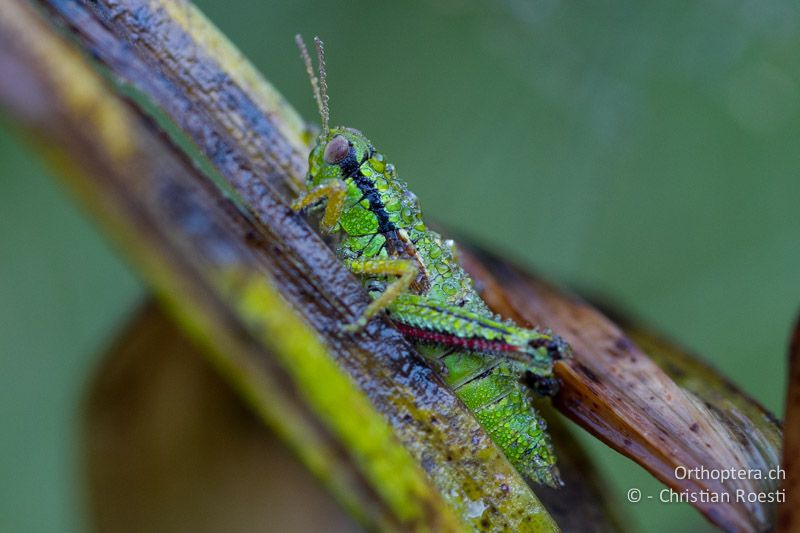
{"x":335,"y":191}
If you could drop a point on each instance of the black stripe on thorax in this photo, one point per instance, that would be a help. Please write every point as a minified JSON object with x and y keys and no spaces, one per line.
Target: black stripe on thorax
{"x":351,"y":168}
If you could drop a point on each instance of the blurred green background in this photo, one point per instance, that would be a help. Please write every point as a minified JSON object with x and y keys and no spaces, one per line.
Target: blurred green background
{"x":645,"y":152}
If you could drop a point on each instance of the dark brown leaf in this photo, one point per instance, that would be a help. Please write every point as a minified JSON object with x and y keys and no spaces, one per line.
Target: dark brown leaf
{"x":618,"y":393}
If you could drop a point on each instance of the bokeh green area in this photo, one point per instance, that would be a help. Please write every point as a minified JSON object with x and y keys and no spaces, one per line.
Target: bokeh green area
{"x":644,"y":151}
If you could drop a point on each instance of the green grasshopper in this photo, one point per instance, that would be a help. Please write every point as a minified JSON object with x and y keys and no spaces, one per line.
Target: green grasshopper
{"x":413,"y":275}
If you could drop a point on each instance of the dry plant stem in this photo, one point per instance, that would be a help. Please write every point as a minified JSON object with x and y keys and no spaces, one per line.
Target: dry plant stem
{"x":388,"y":438}
{"x":613,"y":389}
{"x":788,"y":514}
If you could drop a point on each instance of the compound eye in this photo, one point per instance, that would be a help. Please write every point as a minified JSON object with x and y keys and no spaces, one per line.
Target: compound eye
{"x":336,"y":150}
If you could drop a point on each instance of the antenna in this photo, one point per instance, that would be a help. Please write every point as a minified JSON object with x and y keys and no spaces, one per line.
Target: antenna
{"x":323,"y":83}
{"x":318,"y":84}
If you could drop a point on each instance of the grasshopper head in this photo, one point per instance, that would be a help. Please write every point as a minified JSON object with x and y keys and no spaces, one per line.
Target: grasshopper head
{"x":337,"y":155}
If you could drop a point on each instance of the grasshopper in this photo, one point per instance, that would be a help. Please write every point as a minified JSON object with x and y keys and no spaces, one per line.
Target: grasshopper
{"x":413,"y":275}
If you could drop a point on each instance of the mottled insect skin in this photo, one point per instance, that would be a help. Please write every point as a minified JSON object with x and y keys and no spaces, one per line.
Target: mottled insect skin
{"x":413,"y":274}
